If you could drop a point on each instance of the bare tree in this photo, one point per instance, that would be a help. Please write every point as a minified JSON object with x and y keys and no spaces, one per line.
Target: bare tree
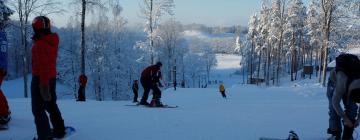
{"x":86,"y":5}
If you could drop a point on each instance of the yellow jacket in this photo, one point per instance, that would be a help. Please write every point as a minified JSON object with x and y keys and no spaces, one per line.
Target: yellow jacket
{"x":222,"y":88}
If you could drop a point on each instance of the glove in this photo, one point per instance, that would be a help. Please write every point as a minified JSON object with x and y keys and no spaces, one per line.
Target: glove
{"x":45,"y":93}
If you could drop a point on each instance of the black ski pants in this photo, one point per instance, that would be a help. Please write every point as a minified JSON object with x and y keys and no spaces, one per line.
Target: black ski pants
{"x":149,"y":85}
{"x":81,"y":93}
{"x":223,"y":94}
{"x":40,"y":107}
{"x":135,"y":95}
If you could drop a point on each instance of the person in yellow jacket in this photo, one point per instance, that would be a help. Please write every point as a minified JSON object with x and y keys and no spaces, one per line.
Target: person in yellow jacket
{"x":222,"y":90}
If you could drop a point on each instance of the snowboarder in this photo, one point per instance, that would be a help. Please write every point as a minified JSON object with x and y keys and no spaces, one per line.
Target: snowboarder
{"x":222,"y":90}
{"x":150,"y":80}
{"x":347,"y":89}
{"x":81,"y":91}
{"x":135,"y":88}
{"x":43,"y":84}
{"x":4,"y":107}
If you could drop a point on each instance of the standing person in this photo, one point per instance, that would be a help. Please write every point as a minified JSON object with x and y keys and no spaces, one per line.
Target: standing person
{"x":150,"y":78}
{"x":81,"y":91}
{"x":335,"y":128}
{"x":222,"y":90}
{"x":4,"y":107}
{"x":135,"y":88}
{"x":347,"y":90}
{"x":43,"y":84}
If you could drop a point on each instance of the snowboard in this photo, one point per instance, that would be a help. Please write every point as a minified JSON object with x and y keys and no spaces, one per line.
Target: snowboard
{"x":69,"y":130}
{"x":165,"y":106}
{"x":4,"y":127}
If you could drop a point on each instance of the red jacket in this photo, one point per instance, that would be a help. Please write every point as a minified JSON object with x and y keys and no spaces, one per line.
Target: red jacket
{"x":4,"y":108}
{"x":82,"y":80}
{"x":44,"y":54}
{"x":150,"y":72}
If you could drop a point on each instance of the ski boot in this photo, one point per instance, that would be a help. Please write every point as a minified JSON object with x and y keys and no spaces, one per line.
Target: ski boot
{"x":156,"y":103}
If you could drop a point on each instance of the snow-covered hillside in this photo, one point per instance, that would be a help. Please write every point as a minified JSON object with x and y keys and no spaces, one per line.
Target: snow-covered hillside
{"x":249,"y":113}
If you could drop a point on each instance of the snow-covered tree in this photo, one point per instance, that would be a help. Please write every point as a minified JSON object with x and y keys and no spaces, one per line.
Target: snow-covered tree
{"x":276,"y":36}
{"x":334,"y":14}
{"x":5,"y":13}
{"x":313,"y":27}
{"x":252,"y":39}
{"x":263,"y":42}
{"x":151,"y":11}
{"x":295,"y":24}
{"x":169,"y":34}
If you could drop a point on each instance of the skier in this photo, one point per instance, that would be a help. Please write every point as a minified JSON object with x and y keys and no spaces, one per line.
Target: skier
{"x":222,"y":90}
{"x":135,"y":88}
{"x":347,"y":89}
{"x":150,"y":80}
{"x":81,"y":91}
{"x":4,"y":107}
{"x":43,"y":84}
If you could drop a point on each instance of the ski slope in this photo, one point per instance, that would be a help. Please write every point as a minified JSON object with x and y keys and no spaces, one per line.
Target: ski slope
{"x":249,"y":113}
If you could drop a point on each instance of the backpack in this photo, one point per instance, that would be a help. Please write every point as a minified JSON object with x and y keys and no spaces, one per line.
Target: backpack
{"x":350,"y":65}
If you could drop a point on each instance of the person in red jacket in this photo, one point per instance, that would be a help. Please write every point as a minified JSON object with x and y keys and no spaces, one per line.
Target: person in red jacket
{"x":81,"y":92}
{"x":150,"y":80}
{"x":5,"y":114}
{"x":43,"y":85}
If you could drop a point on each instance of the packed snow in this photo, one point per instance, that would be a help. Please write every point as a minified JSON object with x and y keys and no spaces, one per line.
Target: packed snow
{"x":249,"y":112}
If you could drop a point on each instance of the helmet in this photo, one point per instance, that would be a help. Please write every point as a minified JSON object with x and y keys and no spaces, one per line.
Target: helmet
{"x":41,"y":23}
{"x":158,"y":64}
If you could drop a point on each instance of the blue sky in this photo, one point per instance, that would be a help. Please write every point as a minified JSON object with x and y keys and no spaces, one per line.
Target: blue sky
{"x":208,"y":12}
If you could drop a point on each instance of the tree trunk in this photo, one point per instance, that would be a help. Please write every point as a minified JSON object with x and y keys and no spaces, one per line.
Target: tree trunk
{"x":251,"y":61}
{"x":151,"y":32}
{"x":24,"y":53}
{"x":268,"y":61}
{"x":82,"y":37}
{"x":320,"y":64}
{"x":258,"y":70}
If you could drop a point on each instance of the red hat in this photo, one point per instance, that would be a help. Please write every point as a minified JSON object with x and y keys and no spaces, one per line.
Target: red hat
{"x":41,"y":22}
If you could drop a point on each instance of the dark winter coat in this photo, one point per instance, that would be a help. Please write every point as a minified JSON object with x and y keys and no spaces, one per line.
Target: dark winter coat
{"x":135,"y":87}
{"x":341,"y":91}
{"x":151,"y":73}
{"x":44,"y":55}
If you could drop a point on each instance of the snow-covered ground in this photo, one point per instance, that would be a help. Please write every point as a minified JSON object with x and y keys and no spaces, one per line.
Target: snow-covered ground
{"x":250,"y":112}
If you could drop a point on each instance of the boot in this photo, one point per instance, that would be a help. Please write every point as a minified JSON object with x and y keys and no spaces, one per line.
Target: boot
{"x":347,"y":134}
{"x":142,"y":102}
{"x":336,"y":135}
{"x":156,"y":103}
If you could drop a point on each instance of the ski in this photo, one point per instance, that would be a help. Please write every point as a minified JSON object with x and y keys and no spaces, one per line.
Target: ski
{"x":165,"y":106}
